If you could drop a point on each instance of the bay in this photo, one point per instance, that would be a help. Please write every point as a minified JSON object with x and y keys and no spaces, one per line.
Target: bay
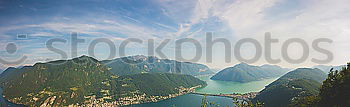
{"x":213,"y":87}
{"x":228,"y":87}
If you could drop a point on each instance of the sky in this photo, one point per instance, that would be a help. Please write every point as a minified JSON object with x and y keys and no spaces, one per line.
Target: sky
{"x":119,"y":20}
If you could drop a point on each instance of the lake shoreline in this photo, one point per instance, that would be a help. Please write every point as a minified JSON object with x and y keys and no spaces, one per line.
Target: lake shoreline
{"x":246,"y":96}
{"x":229,"y":87}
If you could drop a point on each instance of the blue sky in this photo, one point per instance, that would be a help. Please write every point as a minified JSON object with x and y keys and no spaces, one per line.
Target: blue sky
{"x":118,"y":20}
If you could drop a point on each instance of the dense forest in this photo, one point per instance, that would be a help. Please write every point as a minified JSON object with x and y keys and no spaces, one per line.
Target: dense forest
{"x":305,"y":87}
{"x":334,"y":91}
{"x":297,"y":83}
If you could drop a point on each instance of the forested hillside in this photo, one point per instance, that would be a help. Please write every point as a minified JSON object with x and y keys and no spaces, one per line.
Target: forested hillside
{"x":141,"y":64}
{"x":298,"y":83}
{"x":245,"y":73}
{"x":75,"y":81}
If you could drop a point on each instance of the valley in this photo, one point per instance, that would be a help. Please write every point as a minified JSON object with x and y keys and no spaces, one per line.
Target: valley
{"x":85,"y":81}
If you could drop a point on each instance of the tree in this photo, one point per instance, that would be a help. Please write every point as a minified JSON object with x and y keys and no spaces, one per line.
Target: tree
{"x":335,"y":89}
{"x":246,"y":103}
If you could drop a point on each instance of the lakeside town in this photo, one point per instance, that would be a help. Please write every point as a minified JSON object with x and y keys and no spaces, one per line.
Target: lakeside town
{"x":92,"y":101}
{"x":143,"y":98}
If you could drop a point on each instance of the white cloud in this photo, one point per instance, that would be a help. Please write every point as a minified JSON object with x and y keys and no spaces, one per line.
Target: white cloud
{"x":246,"y":18}
{"x":43,"y":34}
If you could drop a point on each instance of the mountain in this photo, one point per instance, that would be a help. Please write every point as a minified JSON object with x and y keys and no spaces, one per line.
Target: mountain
{"x":334,"y":91}
{"x":297,"y":83}
{"x":156,"y":84}
{"x":83,"y":80}
{"x":142,"y":64}
{"x":326,"y":68}
{"x":245,"y":73}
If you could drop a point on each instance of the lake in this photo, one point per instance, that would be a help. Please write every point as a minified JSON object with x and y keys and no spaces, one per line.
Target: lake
{"x":214,"y":87}
{"x":227,"y":87}
{"x":188,"y":100}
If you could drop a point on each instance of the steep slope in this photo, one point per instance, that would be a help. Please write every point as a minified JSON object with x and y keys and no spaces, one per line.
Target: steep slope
{"x":156,"y":84}
{"x":245,"y":73}
{"x":65,"y":82}
{"x":81,"y":80}
{"x":298,"y":83}
{"x":334,"y":91}
{"x":141,"y":64}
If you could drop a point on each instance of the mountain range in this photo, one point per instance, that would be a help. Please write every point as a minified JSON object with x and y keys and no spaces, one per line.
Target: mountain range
{"x":245,"y":73}
{"x":141,"y":64}
{"x":83,"y":80}
{"x":297,"y":83}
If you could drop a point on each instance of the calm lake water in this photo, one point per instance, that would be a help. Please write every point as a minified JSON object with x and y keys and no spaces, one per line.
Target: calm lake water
{"x":227,"y":87}
{"x":214,"y":87}
{"x":188,"y":100}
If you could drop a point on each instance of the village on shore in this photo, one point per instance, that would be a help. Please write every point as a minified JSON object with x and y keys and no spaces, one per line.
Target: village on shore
{"x":134,"y":99}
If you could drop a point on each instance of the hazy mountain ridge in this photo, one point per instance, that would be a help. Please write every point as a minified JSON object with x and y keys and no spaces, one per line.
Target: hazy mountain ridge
{"x":66,"y":82}
{"x":245,"y":73}
{"x":141,"y":64}
{"x":327,"y":68}
{"x":297,"y":83}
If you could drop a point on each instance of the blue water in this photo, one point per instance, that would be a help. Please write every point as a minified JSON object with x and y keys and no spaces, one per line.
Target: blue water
{"x":214,"y":87}
{"x":228,"y":87}
{"x":188,"y":100}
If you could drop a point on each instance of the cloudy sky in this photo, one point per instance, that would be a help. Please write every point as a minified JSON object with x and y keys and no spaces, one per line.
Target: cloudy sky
{"x":118,"y":20}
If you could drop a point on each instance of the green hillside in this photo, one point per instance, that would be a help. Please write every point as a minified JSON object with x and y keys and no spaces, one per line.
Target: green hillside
{"x":334,"y":91}
{"x":298,"y":83}
{"x":67,"y":82}
{"x":156,"y":84}
{"x":141,"y":64}
{"x":245,"y":73}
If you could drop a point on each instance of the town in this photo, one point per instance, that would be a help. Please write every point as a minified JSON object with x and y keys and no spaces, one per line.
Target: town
{"x":135,"y":98}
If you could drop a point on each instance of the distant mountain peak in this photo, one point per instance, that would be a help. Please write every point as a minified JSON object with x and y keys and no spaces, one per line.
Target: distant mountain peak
{"x":242,"y":64}
{"x":326,"y":68}
{"x":268,"y":65}
{"x":84,"y":56}
{"x":83,"y":59}
{"x":140,"y":57}
{"x":244,"y":72}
